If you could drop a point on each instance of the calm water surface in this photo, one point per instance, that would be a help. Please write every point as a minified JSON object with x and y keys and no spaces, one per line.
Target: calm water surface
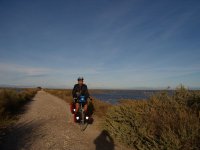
{"x":115,"y":95}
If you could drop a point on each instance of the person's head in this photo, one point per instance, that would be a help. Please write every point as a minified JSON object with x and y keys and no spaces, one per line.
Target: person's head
{"x":80,"y":80}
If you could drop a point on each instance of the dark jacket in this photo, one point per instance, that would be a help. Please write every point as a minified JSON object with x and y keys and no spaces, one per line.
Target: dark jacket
{"x":83,"y":90}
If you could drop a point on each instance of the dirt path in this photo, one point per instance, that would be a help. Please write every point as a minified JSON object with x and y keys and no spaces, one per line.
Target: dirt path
{"x":47,"y":124}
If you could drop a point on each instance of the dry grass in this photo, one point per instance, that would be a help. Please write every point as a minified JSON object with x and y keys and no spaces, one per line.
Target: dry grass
{"x":101,"y":107}
{"x":162,"y":122}
{"x":11,"y":102}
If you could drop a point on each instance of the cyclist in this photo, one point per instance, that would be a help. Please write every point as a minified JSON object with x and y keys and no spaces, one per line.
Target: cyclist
{"x":80,"y":89}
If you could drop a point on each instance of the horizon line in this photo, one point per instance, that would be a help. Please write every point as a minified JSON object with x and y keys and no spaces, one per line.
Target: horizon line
{"x":95,"y":88}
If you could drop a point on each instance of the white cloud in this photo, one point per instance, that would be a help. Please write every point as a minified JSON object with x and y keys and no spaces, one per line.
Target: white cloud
{"x":24,"y":70}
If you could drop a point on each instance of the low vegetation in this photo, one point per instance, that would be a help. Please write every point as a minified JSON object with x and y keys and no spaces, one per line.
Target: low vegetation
{"x":11,"y":101}
{"x":162,"y":122}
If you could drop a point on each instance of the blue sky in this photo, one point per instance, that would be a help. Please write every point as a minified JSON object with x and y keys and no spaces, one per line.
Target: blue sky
{"x":112,"y":43}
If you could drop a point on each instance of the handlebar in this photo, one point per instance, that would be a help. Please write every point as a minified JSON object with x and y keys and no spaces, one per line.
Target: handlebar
{"x":88,"y":98}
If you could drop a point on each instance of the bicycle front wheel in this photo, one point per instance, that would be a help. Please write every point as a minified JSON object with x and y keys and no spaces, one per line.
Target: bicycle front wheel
{"x":83,"y":124}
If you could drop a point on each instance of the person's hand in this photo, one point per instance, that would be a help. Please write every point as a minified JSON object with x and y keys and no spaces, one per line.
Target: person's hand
{"x":74,"y":99}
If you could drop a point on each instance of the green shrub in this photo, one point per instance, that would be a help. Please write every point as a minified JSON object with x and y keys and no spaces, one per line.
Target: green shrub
{"x":162,"y":122}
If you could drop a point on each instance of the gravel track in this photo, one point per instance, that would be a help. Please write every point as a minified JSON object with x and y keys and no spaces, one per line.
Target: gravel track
{"x":48,"y":124}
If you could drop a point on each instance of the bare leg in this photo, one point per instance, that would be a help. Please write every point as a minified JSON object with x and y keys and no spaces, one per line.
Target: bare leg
{"x":77,"y":107}
{"x":85,"y":107}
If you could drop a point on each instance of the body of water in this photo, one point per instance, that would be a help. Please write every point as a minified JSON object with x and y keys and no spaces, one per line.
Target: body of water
{"x":115,"y":95}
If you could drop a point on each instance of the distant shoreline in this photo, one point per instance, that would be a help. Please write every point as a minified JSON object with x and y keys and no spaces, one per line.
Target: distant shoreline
{"x":98,"y":89}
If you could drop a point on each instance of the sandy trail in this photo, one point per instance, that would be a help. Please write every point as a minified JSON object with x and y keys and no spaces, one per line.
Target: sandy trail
{"x":47,"y":124}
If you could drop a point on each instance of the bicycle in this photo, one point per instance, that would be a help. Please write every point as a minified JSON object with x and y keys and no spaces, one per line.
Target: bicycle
{"x":82,"y":118}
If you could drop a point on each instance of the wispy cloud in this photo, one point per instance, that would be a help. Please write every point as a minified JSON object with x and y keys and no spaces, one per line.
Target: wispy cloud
{"x":29,"y":71}
{"x":15,"y":74}
{"x":24,"y":70}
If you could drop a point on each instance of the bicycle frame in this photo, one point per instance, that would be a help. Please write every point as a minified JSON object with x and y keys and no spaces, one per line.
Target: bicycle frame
{"x":82,"y":114}
{"x":82,"y":122}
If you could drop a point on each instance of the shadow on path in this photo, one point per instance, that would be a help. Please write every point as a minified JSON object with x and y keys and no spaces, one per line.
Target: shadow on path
{"x":21,"y":136}
{"x":104,"y":141}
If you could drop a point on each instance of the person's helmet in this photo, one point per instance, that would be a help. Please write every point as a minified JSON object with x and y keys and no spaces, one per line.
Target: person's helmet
{"x":80,"y":79}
